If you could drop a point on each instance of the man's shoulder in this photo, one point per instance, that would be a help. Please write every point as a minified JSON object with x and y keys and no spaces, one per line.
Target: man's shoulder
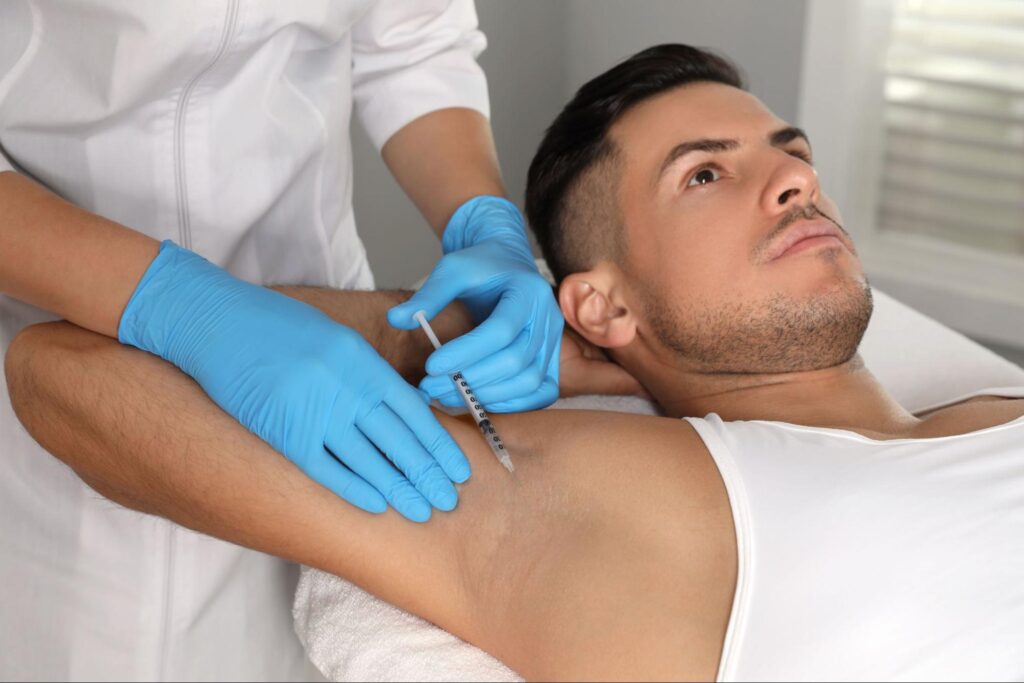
{"x":980,"y":412}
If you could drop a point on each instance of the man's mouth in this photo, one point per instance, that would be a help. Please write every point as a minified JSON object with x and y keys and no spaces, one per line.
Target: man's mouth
{"x":806,"y":234}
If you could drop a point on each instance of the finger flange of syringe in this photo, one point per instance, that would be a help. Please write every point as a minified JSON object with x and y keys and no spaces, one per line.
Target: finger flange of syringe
{"x":490,"y":434}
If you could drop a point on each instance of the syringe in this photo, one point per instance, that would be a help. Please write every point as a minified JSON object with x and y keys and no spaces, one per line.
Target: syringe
{"x":472,"y":404}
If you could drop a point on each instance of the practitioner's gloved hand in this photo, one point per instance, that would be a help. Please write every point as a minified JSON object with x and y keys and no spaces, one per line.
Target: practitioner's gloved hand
{"x":313,"y":389}
{"x":511,"y":358}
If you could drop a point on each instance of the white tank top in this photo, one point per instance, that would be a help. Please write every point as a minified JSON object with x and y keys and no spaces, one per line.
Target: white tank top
{"x":862,"y":559}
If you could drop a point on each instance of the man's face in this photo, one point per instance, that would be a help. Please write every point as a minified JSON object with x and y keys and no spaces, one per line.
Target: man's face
{"x":703,"y":223}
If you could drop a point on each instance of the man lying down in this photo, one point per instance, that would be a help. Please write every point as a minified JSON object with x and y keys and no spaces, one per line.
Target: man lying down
{"x":807,"y":526}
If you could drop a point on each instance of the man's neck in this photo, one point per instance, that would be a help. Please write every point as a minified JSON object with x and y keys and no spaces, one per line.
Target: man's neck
{"x":845,"y":396}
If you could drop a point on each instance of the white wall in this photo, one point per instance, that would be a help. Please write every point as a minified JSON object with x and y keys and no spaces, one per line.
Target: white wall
{"x":540,"y":52}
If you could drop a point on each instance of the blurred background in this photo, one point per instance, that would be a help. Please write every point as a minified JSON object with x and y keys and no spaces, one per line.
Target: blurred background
{"x":915,"y":109}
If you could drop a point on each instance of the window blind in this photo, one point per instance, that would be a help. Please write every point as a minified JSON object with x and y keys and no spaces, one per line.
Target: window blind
{"x":953,"y":165}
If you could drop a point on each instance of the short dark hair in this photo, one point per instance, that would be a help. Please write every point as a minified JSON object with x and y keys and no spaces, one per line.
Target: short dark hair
{"x":573,"y":232}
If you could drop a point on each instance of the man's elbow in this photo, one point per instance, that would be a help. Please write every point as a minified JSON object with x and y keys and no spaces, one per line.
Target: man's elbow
{"x":36,"y":358}
{"x":18,"y":365}
{"x":43,"y":364}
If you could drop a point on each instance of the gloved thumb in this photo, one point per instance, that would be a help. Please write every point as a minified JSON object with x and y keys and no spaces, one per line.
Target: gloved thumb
{"x":437,"y":292}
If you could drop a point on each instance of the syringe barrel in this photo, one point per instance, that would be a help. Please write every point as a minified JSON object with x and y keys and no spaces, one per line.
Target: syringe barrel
{"x":490,"y":434}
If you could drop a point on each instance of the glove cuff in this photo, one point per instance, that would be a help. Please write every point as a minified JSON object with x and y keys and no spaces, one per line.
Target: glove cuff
{"x":487,"y":217}
{"x":176,"y":295}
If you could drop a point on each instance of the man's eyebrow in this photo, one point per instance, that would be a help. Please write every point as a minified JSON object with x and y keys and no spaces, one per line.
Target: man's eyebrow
{"x":776,"y":139}
{"x":788,"y":134}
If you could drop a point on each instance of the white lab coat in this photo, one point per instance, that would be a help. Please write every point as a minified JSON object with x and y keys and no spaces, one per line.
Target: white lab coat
{"x":225,"y":127}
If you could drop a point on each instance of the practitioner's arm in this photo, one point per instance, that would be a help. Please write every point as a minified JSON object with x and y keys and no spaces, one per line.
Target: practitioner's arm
{"x":66,"y":260}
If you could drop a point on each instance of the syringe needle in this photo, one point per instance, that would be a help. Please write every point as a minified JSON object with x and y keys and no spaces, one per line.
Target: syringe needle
{"x":490,"y":434}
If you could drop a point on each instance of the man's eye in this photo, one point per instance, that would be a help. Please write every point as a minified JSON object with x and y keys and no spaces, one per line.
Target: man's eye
{"x":703,"y":177}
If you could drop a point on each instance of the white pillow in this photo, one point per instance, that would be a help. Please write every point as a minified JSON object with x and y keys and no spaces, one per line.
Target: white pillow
{"x":925,"y":364}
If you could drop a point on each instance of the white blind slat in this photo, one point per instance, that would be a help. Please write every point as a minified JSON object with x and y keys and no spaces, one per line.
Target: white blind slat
{"x":970,"y":235}
{"x":945,"y":212}
{"x":953,"y":116}
{"x":967,"y":12}
{"x":983,"y":41}
{"x":999,"y":162}
{"x":945,"y":97}
{"x":957,"y":184}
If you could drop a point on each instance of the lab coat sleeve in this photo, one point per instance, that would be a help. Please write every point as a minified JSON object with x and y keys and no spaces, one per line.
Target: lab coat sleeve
{"x":412,"y":58}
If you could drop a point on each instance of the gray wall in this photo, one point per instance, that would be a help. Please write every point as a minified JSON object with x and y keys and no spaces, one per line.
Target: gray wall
{"x":1012,"y":355}
{"x":539,"y":53}
{"x":764,"y":39}
{"x":523,"y":63}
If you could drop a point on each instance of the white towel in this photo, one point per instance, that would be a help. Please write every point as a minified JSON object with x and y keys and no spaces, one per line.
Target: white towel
{"x":350,"y":635}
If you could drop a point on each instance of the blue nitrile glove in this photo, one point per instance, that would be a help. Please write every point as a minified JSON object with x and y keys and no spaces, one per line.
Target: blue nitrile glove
{"x":298,"y":380}
{"x":511,"y":359}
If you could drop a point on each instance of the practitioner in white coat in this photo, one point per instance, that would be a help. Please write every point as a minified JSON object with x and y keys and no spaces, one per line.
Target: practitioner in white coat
{"x":158,"y":163}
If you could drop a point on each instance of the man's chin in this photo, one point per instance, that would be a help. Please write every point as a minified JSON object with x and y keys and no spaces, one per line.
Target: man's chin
{"x":772,"y":334}
{"x":821,"y":272}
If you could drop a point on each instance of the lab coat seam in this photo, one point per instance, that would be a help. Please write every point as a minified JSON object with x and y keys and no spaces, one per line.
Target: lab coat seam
{"x":181,"y":180}
{"x":346,"y":282}
{"x":184,"y":231}
{"x":167,"y":606}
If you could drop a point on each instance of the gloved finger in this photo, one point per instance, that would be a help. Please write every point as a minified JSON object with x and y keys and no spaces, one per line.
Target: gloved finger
{"x":542,"y":398}
{"x":500,"y":366}
{"x":520,"y":385}
{"x":393,"y":438}
{"x":443,"y":286}
{"x":452,"y":399}
{"x":364,"y":459}
{"x":553,"y":346}
{"x":407,"y":403}
{"x":335,"y":477}
{"x":448,"y":395}
{"x":507,"y":320}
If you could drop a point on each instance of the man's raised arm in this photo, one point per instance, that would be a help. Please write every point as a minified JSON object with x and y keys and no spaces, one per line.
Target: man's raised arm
{"x":145,"y":435}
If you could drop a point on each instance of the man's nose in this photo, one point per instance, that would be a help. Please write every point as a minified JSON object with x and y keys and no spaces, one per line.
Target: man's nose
{"x":793,"y":182}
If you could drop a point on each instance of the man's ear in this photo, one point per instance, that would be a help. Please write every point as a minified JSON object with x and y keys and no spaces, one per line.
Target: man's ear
{"x":593,"y":305}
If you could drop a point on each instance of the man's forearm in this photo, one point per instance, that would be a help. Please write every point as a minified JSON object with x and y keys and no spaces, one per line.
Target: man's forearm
{"x":366,"y":313}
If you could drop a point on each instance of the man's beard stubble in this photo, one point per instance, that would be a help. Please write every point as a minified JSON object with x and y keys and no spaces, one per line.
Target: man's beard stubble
{"x":776,"y":335}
